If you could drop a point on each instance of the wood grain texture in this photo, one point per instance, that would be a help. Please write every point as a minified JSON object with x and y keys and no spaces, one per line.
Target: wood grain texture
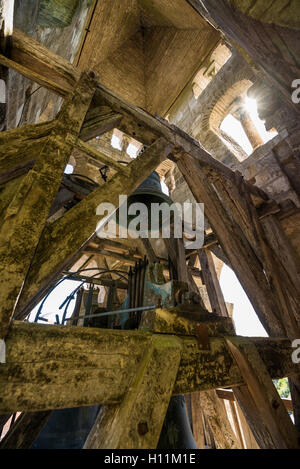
{"x":270,"y":412}
{"x":21,"y":228}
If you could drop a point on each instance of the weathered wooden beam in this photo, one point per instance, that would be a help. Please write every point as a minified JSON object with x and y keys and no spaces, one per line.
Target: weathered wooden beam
{"x":128,"y":260}
{"x":270,"y":46}
{"x":21,"y":229}
{"x":136,"y":423}
{"x":212,"y":284}
{"x":68,"y":234}
{"x":98,"y":121}
{"x":216,"y":416}
{"x":236,"y":247}
{"x":236,"y":424}
{"x":228,"y":395}
{"x":94,"y":153}
{"x":36,"y":62}
{"x":145,"y":127}
{"x":279,"y":431}
{"x":100,"y":281}
{"x":13,"y":140}
{"x":42,"y":64}
{"x":52,"y":367}
{"x":25,"y":430}
{"x":188,"y":320}
{"x":249,"y":440}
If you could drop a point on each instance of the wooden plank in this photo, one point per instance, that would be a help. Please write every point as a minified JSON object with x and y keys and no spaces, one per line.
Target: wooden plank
{"x":21,"y":229}
{"x":273,"y":48}
{"x":39,"y":64}
{"x":53,"y":367}
{"x":264,"y":397}
{"x":66,"y":236}
{"x":229,"y":395}
{"x":25,"y":430}
{"x":94,"y":153}
{"x":136,"y":423}
{"x":237,"y":425}
{"x":212,"y":284}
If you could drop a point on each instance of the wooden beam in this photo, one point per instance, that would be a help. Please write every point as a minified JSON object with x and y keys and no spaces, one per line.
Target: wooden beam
{"x":279,"y":431}
{"x":129,"y":260}
{"x":236,"y":424}
{"x":248,"y":438}
{"x":52,"y":367}
{"x":21,"y":229}
{"x":212,"y":284}
{"x":98,"y":121}
{"x":235,"y":245}
{"x":67,"y":235}
{"x":197,"y":419}
{"x":6,"y":25}
{"x":188,"y":320}
{"x":97,"y":155}
{"x":145,"y":127}
{"x":36,"y":62}
{"x":229,"y":395}
{"x":136,"y":423}
{"x":100,"y":281}
{"x":20,"y":147}
{"x":269,"y":46}
{"x":25,"y":430}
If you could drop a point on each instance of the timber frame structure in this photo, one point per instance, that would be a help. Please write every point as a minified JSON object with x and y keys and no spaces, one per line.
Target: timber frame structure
{"x":129,"y":371}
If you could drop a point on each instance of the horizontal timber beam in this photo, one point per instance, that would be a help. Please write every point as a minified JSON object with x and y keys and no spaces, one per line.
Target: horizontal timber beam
{"x":52,"y":367}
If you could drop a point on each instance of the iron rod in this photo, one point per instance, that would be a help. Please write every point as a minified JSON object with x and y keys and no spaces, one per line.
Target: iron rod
{"x":120,"y":311}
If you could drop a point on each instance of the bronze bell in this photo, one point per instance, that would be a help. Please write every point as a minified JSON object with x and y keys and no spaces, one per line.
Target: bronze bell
{"x":148,"y":193}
